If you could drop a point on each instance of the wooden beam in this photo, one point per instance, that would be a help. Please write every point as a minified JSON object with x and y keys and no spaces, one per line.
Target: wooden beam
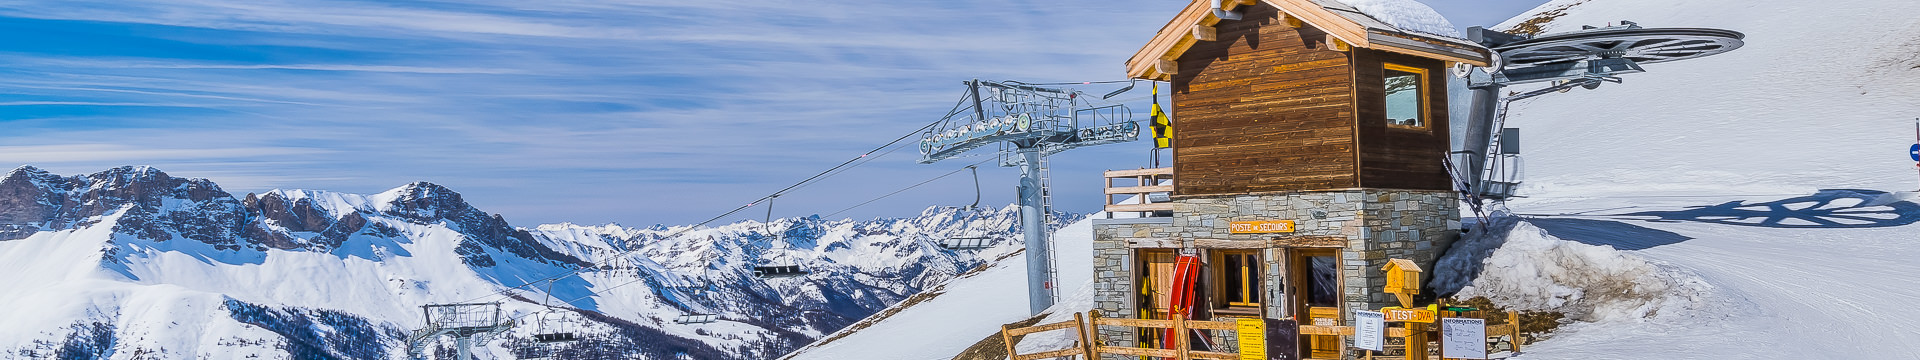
{"x":1141,"y":207}
{"x":1335,"y":44}
{"x":1293,"y":22}
{"x":1153,"y":244}
{"x":1139,"y":172}
{"x":1229,"y":244}
{"x":1205,"y":33}
{"x":1139,"y":189}
{"x":1308,"y":242}
{"x":1168,"y":67}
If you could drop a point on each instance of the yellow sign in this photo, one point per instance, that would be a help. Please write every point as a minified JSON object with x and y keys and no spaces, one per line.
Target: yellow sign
{"x":1395,"y":314}
{"x":1260,"y":227}
{"x":1253,"y":338}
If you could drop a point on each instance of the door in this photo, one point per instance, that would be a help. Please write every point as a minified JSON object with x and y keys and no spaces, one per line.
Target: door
{"x":1316,"y":297}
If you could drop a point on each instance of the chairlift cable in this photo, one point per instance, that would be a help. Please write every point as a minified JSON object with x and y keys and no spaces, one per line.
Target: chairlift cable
{"x":735,"y":210}
{"x":897,"y":192}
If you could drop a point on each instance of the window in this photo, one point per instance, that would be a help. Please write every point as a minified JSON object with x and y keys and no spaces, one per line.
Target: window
{"x":1406,"y":96}
{"x":1240,"y":279}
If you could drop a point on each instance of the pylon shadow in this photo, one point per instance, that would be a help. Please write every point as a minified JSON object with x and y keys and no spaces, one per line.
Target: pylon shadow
{"x":1832,"y":208}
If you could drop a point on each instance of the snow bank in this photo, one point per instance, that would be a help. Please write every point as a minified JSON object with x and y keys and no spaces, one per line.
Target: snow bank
{"x":1407,"y":15}
{"x":1521,"y":266}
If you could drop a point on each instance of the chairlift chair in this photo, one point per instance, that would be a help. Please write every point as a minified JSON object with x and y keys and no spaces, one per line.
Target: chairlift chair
{"x":770,"y":271}
{"x":696,"y":318}
{"x":966,"y":243}
{"x":779,"y":271}
{"x":552,"y":326}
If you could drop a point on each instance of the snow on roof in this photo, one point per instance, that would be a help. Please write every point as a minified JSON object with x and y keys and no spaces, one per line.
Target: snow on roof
{"x":1405,"y":15}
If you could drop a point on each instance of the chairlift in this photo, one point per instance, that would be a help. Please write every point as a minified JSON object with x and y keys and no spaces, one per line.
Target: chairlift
{"x":779,"y":271}
{"x":551,"y":325}
{"x":966,"y":243}
{"x":770,"y":271}
{"x":696,"y":318}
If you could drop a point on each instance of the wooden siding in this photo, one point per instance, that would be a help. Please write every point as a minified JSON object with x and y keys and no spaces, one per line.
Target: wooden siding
{"x":1264,"y":108}
{"x":1399,"y":157}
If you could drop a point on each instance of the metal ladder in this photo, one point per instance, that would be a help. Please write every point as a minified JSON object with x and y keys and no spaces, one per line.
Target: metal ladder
{"x":1046,"y":212}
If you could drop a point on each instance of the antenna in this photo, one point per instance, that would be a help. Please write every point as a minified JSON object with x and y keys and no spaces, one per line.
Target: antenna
{"x":1028,"y":122}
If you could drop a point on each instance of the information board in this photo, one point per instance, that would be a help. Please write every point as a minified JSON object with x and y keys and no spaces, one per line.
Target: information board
{"x":1369,"y":330}
{"x":1253,"y":338}
{"x":1463,"y":338}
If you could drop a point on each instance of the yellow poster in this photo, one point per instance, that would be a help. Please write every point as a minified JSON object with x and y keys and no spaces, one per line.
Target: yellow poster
{"x":1253,"y":339}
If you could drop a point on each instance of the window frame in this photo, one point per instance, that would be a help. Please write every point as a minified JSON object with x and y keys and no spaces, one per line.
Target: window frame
{"x":1421,"y":92}
{"x":1251,"y":275}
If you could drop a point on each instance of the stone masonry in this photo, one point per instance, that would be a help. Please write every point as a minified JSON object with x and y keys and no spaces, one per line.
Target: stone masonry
{"x":1377,"y":224}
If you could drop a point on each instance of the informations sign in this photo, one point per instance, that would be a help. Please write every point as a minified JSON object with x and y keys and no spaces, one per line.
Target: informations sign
{"x":1369,"y":330}
{"x":1463,"y":338}
{"x":1253,"y":338}
{"x":1260,"y":227}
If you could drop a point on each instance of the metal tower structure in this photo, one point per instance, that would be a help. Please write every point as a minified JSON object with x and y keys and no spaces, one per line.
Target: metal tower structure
{"x":465,"y":322}
{"x":1029,"y":123}
{"x":1488,"y":168}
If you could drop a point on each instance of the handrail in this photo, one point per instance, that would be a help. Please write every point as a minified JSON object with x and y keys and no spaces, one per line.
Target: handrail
{"x":1146,"y":184}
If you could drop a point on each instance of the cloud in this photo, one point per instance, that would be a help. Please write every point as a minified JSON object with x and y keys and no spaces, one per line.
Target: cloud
{"x":564,"y":110}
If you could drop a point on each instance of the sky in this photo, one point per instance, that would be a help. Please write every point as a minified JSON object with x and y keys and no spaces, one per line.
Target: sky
{"x":591,"y":112}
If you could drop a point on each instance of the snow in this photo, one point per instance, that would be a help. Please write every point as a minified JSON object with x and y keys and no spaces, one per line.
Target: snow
{"x":968,"y":309}
{"x":1408,"y":15}
{"x":1715,"y":191}
{"x":1519,"y":265}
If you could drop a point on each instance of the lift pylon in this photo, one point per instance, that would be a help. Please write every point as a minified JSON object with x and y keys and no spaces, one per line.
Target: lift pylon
{"x":1030,"y":122}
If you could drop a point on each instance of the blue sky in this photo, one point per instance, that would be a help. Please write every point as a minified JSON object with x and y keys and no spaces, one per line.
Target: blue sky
{"x":635,"y":112}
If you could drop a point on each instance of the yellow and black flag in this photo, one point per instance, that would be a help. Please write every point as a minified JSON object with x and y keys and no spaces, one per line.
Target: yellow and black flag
{"x":1162,"y":125}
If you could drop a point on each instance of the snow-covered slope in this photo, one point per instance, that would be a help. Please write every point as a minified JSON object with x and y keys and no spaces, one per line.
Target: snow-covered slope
{"x":966,"y":309}
{"x":1731,"y":207}
{"x":132,"y":263}
{"x":1798,"y":109}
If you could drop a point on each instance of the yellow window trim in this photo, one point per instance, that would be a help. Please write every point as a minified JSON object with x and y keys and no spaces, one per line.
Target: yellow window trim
{"x":1426,"y":104}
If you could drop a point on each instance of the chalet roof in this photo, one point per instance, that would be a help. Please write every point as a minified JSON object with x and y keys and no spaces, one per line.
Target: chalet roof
{"x":1372,"y":25}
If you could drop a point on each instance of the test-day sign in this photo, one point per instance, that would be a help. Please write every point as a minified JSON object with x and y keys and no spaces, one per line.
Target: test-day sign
{"x":1369,"y":330}
{"x":1418,"y":315}
{"x":1253,"y":338}
{"x":1462,"y":338}
{"x":1260,"y":227}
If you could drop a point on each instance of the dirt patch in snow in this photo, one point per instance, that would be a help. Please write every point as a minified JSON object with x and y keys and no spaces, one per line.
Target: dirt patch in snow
{"x":1537,"y":24}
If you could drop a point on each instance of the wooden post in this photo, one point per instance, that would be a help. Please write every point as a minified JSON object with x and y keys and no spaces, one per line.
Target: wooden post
{"x":1416,"y":341}
{"x":1089,"y":333}
{"x":1180,"y":337}
{"x":1007,"y":340}
{"x":1513,"y":318}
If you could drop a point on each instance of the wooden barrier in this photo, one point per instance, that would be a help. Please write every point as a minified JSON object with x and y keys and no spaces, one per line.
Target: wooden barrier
{"x":1078,"y":324}
{"x":1181,"y":349}
{"x":1417,"y":336}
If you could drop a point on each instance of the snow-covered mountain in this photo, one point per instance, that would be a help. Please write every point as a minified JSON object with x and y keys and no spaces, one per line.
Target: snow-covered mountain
{"x":131,"y":263}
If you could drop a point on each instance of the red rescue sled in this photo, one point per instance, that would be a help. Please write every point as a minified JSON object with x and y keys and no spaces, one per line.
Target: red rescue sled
{"x":1186,"y":271}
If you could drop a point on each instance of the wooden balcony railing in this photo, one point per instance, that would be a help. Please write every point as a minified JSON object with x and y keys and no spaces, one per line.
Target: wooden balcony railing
{"x":1147,"y":186}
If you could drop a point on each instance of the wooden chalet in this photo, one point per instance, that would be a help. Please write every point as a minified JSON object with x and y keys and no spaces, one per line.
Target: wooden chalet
{"x":1309,"y":148}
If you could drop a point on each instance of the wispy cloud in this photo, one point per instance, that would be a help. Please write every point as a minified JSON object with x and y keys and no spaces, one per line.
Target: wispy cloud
{"x":559,"y":110}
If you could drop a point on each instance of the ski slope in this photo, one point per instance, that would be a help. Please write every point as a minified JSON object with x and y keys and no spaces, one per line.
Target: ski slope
{"x":968,"y":308}
{"x":1734,"y":170}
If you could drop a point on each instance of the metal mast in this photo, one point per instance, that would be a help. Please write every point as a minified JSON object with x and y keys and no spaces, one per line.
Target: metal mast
{"x":1029,"y":123}
{"x":1585,"y":58}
